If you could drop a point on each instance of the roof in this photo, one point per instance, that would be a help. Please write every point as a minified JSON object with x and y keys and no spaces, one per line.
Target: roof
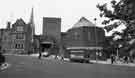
{"x":83,"y":22}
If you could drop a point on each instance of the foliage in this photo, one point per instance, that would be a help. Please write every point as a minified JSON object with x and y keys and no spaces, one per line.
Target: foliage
{"x":122,"y":12}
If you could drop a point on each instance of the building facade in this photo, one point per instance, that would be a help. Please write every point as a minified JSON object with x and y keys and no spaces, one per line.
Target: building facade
{"x":84,"y":36}
{"x":16,"y":38}
{"x":51,"y":34}
{"x":52,"y":27}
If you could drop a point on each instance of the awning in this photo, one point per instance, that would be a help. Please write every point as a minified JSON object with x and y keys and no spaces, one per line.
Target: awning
{"x":89,"y":48}
{"x":46,"y":42}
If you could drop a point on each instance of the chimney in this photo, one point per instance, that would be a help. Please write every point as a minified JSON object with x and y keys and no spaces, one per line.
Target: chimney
{"x":8,"y":25}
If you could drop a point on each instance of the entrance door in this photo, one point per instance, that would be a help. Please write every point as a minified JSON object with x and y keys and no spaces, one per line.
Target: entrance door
{"x":46,"y":46}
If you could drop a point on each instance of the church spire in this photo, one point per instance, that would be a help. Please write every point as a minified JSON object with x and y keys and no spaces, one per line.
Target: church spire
{"x":32,"y":22}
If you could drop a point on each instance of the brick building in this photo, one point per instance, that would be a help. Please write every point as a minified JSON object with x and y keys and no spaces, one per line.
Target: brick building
{"x":52,"y":27}
{"x":51,"y":37}
{"x":84,"y":36}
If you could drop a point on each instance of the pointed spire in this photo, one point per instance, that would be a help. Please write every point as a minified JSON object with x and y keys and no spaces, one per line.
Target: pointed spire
{"x":32,"y":15}
{"x":32,"y":22}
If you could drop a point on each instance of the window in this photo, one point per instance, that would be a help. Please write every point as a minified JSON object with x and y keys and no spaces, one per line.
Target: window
{"x":20,"y":28}
{"x":19,"y":46}
{"x":14,"y":36}
{"x":89,"y":35}
{"x":76,"y":35}
{"x":20,"y":36}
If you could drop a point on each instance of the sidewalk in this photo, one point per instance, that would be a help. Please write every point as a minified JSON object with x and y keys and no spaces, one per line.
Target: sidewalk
{"x":107,"y":62}
{"x":93,"y":61}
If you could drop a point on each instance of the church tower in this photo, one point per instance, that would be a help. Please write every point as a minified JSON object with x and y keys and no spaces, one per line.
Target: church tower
{"x":31,"y":22}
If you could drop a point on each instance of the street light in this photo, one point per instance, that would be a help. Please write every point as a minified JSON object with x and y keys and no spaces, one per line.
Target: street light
{"x":119,"y":46}
{"x":95,"y":19}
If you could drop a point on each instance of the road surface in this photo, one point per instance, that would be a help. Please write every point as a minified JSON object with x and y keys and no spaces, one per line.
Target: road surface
{"x":31,"y":67}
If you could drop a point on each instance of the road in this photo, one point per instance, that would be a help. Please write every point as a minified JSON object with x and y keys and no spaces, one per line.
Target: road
{"x":31,"y":67}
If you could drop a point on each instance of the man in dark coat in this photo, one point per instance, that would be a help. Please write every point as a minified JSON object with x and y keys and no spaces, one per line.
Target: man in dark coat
{"x":112,"y":59}
{"x":126,"y":59}
{"x":2,"y":59}
{"x":40,"y":55}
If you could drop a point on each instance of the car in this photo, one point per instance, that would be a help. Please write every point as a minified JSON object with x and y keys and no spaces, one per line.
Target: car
{"x":45,"y":54}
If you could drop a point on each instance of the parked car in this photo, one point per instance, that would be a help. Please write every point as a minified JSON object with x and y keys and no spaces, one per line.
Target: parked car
{"x":45,"y":54}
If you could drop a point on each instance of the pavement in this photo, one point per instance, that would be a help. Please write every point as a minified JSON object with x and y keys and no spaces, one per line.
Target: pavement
{"x":92,"y":61}
{"x":118,"y":63}
{"x":32,"y":67}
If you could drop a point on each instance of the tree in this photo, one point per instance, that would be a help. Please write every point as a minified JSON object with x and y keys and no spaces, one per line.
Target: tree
{"x":122,"y":12}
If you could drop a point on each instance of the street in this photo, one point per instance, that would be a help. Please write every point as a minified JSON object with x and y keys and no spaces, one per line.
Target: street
{"x":32,"y":67}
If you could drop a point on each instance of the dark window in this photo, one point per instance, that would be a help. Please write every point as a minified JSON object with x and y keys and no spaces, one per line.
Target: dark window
{"x":19,"y":46}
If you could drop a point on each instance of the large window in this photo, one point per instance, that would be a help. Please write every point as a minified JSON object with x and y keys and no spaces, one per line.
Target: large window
{"x":20,"y":28}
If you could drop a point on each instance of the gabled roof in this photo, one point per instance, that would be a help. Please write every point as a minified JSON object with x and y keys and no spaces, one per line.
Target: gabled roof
{"x":83,"y":22}
{"x":20,"y":22}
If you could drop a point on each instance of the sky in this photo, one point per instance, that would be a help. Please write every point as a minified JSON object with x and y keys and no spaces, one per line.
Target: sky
{"x":70,"y":11}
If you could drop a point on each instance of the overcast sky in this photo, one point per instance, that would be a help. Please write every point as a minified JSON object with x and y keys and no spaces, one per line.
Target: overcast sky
{"x":69,"y":10}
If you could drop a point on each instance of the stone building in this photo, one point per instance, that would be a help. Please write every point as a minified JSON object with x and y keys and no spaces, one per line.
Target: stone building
{"x":16,"y":38}
{"x":21,"y":37}
{"x":5,"y":38}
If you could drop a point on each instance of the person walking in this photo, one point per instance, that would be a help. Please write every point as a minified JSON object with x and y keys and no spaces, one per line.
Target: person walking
{"x":126,"y":59}
{"x":40,"y":55}
{"x":112,"y":59}
{"x":2,"y":59}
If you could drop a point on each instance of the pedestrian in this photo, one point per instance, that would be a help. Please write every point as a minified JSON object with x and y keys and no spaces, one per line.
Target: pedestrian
{"x":126,"y":59}
{"x":112,"y":59}
{"x":2,"y":59}
{"x":56,"y":56}
{"x":40,"y":55}
{"x":62,"y":58}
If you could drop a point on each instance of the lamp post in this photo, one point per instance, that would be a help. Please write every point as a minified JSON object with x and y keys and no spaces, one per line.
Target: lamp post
{"x":119,"y":46}
{"x":95,"y":19}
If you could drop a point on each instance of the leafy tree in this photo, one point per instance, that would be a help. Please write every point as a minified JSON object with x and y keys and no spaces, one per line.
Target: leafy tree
{"x":122,"y":12}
